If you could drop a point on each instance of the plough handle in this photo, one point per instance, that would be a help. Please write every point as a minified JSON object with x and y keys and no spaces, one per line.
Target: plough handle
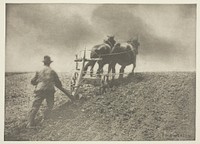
{"x":67,"y":93}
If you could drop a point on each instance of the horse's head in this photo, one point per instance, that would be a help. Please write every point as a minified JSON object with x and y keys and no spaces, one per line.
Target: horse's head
{"x":111,"y":40}
{"x":134,"y":42}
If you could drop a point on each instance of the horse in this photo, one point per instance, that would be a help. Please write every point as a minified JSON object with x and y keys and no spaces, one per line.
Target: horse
{"x":124,"y":54}
{"x":100,"y":51}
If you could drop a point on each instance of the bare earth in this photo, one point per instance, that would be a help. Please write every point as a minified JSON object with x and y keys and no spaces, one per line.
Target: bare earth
{"x":147,"y":106}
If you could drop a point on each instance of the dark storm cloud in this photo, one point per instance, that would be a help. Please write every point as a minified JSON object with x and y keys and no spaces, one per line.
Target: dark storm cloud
{"x":52,"y":28}
{"x":188,"y":11}
{"x":121,"y":21}
{"x":166,"y":32}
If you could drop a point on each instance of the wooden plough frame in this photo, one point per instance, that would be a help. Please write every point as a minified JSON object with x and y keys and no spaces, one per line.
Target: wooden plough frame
{"x":78,"y":79}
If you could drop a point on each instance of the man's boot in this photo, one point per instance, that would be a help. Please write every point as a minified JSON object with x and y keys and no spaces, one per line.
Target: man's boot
{"x":31,"y":120}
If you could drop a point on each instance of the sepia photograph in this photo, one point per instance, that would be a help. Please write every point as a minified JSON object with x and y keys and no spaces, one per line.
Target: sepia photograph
{"x":100,"y":72}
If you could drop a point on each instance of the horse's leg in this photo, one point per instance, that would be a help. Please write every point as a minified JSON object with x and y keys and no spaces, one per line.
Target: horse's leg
{"x":134,"y":65}
{"x":113,"y":71}
{"x":111,"y":66}
{"x":109,"y":69}
{"x":121,"y":72}
{"x":133,"y":68}
{"x":100,"y":69}
{"x":86,"y":67}
{"x":92,"y":66}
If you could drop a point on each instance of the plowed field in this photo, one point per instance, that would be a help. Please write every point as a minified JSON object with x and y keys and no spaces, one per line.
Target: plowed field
{"x":147,"y":106}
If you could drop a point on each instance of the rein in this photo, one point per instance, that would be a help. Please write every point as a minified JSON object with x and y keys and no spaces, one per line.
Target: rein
{"x":116,"y":53}
{"x":102,"y":55}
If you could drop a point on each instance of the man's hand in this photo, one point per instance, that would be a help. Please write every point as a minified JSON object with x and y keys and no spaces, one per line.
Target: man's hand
{"x":34,"y":80}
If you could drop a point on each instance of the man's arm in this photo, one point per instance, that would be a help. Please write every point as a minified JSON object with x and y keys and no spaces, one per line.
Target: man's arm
{"x":66,"y":92}
{"x":34,"y":79}
{"x":57,"y":81}
{"x":58,"y":84}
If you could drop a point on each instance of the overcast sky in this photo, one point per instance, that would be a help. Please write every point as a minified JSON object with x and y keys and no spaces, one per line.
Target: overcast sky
{"x":166,"y":34}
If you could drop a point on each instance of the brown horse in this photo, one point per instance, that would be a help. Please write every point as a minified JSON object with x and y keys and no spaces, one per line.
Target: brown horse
{"x":100,"y":51}
{"x":124,"y":54}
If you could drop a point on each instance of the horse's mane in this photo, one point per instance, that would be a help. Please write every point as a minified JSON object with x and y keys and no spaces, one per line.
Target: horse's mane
{"x":125,"y":46}
{"x":109,"y":43}
{"x":104,"y":42}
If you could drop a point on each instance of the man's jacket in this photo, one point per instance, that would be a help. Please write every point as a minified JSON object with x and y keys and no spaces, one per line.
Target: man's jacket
{"x":45,"y":80}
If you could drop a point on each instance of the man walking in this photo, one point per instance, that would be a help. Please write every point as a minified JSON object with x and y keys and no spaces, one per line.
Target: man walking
{"x":44,"y":82}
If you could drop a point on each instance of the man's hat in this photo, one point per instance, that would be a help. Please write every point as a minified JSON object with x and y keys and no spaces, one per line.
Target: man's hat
{"x":47,"y":59}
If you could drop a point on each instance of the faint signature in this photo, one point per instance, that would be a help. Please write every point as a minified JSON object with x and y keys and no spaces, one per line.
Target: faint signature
{"x":170,"y":135}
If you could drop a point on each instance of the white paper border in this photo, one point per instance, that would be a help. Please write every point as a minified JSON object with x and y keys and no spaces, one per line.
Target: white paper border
{"x":2,"y":67}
